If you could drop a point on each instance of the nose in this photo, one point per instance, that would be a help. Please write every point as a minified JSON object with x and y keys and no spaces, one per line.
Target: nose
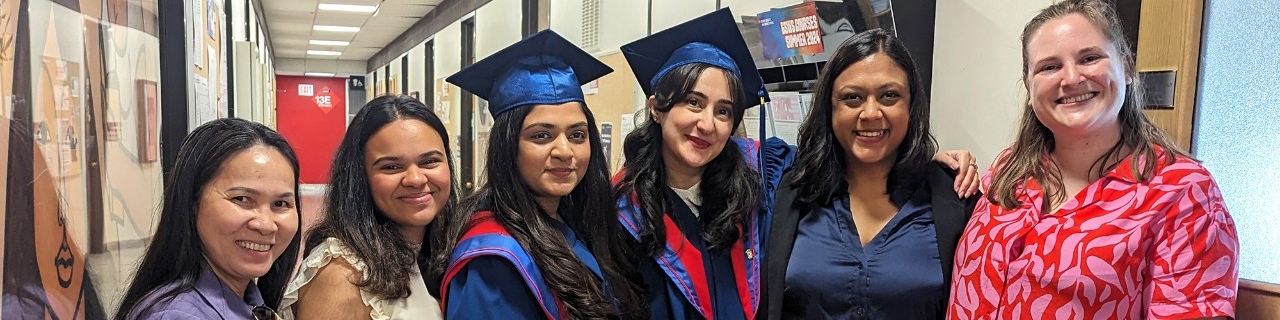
{"x":1071,"y":75}
{"x":706,"y":121}
{"x":560,"y":149}
{"x":872,"y":111}
{"x":262,"y":221}
{"x":414,"y":177}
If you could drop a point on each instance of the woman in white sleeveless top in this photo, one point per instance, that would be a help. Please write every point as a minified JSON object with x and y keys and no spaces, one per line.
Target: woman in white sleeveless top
{"x":390,"y":180}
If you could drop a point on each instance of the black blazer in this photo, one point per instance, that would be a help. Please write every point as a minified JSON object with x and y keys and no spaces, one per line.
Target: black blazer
{"x":950,"y":214}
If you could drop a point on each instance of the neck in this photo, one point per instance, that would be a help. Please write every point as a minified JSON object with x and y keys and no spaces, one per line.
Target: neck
{"x":236,"y":284}
{"x":867,"y":177}
{"x":1074,"y":155}
{"x":679,"y":175}
{"x":551,"y":205}
{"x":414,"y":235}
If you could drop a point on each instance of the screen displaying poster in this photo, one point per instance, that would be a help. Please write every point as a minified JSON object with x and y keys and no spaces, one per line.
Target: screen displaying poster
{"x":791,"y":31}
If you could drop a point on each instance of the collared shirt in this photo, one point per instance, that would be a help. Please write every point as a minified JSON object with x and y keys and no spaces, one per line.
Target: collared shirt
{"x":209,"y":299}
{"x":1120,"y":249}
{"x":896,"y":275}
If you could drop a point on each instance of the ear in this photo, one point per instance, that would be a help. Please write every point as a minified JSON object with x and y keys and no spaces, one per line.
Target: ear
{"x":652,"y":105}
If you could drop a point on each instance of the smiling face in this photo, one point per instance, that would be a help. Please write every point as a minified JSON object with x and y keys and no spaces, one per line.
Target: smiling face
{"x":871,"y":110}
{"x":695,"y":130}
{"x":554,"y":149}
{"x":1075,"y":77}
{"x":247,"y":214}
{"x":408,"y":174}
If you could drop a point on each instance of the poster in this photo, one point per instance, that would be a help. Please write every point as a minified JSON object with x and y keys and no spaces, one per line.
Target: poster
{"x":606,"y":142}
{"x":60,"y":87}
{"x":203,"y":106}
{"x":147,"y":109}
{"x":791,"y":31}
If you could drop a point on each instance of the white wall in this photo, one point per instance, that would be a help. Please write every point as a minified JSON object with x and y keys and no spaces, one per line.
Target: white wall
{"x":417,"y":77}
{"x":564,"y":18}
{"x":668,"y":13}
{"x":622,"y":22}
{"x":497,"y":26}
{"x":753,"y":7}
{"x":977,"y":67}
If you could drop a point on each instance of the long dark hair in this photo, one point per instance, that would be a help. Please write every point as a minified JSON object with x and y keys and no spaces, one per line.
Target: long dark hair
{"x":1137,"y":133}
{"x":732,"y":188}
{"x":588,"y":209}
{"x":175,"y":254}
{"x":352,"y":217}
{"x":820,"y":170}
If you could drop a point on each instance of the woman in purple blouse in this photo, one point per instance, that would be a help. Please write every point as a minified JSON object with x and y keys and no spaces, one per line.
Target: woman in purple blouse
{"x":230,"y":216}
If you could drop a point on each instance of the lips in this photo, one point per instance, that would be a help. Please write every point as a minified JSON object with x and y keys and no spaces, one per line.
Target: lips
{"x":560,"y":172}
{"x":417,"y":198}
{"x":1076,"y":98}
{"x":871,"y":136}
{"x":260,"y":247}
{"x":697,"y":142}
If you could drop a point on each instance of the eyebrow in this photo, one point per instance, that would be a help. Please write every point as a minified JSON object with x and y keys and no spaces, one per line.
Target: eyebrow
{"x":549,"y":126}
{"x":423,"y":155}
{"x":255,"y":192}
{"x":704,"y":97}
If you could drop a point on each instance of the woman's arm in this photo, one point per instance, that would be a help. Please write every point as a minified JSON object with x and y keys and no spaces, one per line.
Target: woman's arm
{"x":1196,"y":255}
{"x":332,"y":294}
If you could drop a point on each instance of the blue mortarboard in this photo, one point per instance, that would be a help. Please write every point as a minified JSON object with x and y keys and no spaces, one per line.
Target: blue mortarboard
{"x":541,"y":69}
{"x":712,"y":39}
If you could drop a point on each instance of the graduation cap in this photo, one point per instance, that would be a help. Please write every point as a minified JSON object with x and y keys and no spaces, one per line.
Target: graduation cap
{"x":541,"y":69}
{"x":712,"y":39}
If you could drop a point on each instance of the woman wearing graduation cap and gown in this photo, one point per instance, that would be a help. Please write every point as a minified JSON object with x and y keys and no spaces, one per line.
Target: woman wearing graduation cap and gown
{"x":529,"y":244}
{"x":695,"y":200}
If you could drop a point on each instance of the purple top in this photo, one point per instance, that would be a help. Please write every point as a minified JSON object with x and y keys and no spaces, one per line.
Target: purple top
{"x":209,"y":299}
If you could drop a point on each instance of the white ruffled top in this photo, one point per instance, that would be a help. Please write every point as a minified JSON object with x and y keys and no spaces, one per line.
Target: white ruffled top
{"x":418,"y":305}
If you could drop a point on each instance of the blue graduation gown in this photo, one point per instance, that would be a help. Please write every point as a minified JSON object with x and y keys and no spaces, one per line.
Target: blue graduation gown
{"x":490,"y":276}
{"x":686,"y":281}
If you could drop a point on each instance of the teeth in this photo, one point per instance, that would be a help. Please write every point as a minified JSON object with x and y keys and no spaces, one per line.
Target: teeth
{"x":1078,"y":98}
{"x":870,"y":134}
{"x":253,"y":246}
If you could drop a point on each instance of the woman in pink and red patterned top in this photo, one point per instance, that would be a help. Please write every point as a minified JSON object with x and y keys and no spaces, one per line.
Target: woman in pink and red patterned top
{"x":1093,"y":213}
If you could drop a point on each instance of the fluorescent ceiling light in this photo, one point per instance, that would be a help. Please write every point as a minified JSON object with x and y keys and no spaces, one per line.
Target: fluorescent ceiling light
{"x":323,"y":53}
{"x":347,"y":7}
{"x":329,"y":43}
{"x":336,"y":28}
{"x":319,"y":74}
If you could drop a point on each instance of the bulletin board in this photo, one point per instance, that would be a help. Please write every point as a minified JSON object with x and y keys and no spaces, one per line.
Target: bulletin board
{"x":612,"y":99}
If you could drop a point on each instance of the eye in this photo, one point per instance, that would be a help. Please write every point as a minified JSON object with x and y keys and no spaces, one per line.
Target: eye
{"x":391,"y":167}
{"x":851,"y":98}
{"x":578,"y":135}
{"x":1091,"y":58}
{"x":724,"y":111}
{"x":1049,"y":67}
{"x":282,"y":204}
{"x":890,"y":97}
{"x":540,"y":135}
{"x":693,"y":103}
{"x":240,"y":199}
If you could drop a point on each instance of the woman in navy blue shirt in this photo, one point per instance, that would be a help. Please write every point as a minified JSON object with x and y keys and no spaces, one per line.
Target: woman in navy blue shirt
{"x":865,"y":223}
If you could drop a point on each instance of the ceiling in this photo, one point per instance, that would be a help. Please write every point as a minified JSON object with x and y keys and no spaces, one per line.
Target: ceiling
{"x":290,"y":25}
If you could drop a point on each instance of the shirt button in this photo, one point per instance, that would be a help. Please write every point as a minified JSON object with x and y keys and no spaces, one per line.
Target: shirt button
{"x":858,"y":310}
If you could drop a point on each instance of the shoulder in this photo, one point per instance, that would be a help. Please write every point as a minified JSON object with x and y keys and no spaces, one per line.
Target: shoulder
{"x":1186,"y":183}
{"x":332,"y":290}
{"x":172,"y":302}
{"x":174,"y":314}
